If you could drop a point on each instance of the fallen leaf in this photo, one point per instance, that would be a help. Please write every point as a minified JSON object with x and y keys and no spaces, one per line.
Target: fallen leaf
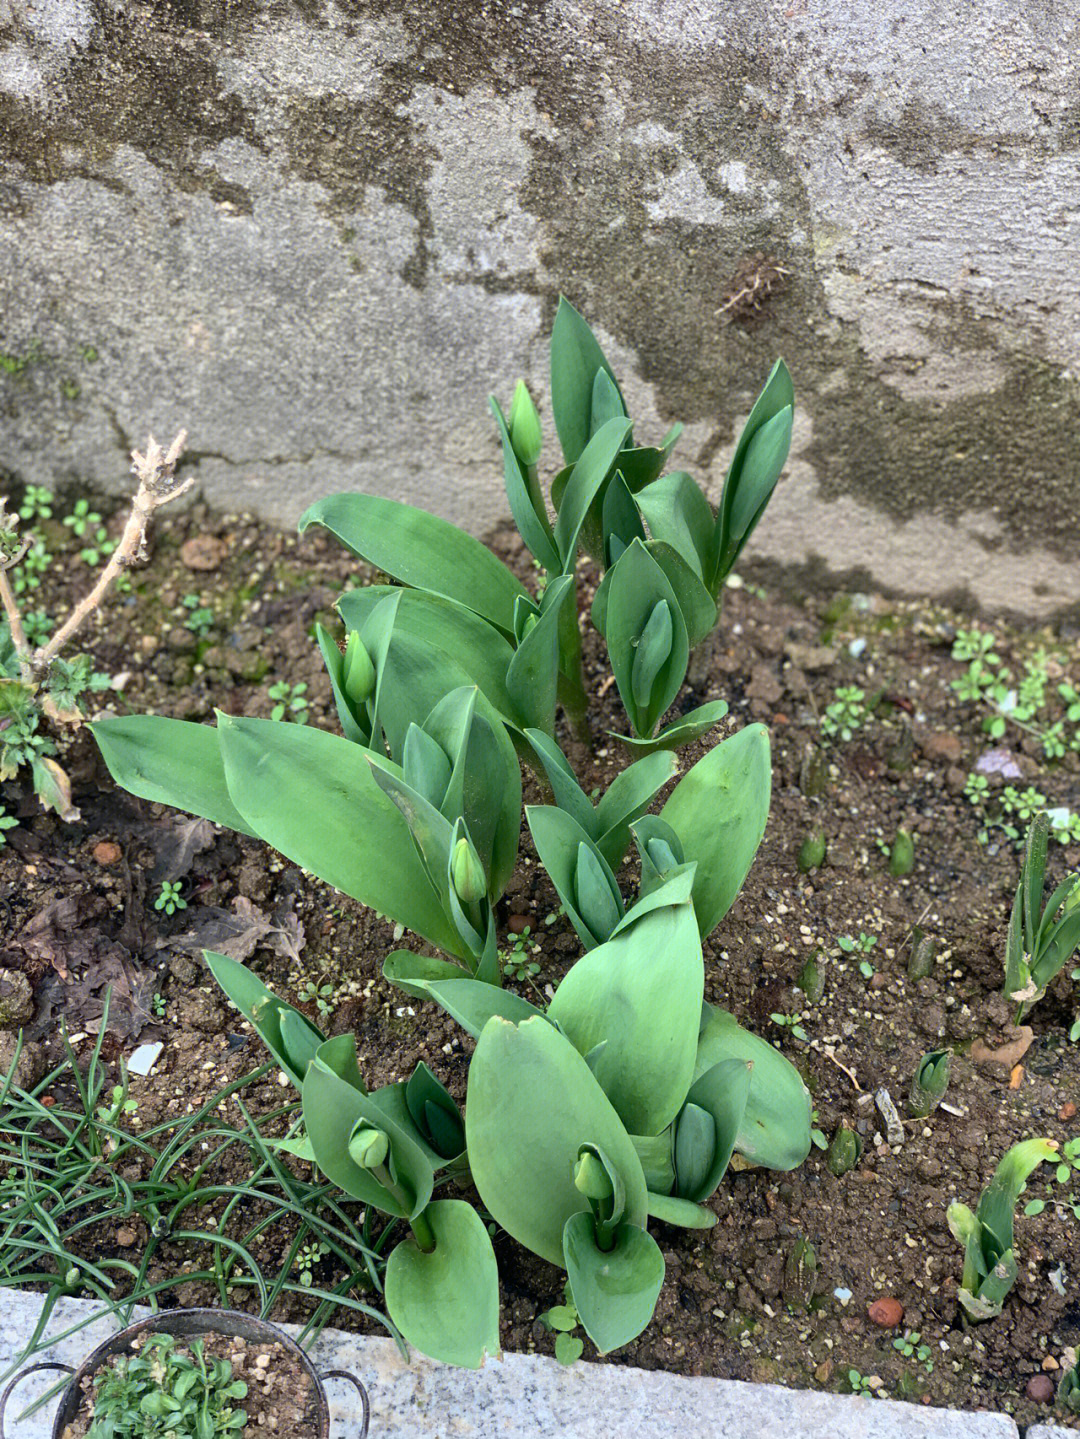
{"x":234,"y":933}
{"x":1007,"y":1054}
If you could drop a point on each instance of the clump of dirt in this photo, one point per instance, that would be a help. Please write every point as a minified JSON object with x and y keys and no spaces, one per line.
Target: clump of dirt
{"x":741,"y":1301}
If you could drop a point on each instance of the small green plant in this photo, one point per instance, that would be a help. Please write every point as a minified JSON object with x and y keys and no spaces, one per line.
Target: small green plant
{"x":1041,"y":939}
{"x":110,"y":1110}
{"x":1068,"y":1391}
{"x":911,"y":1346}
{"x":7,"y":821}
{"x":845,"y":715}
{"x":517,"y":962}
{"x":320,"y":995}
{"x":82,"y":520}
{"x":844,"y":1151}
{"x":791,"y":1022}
{"x":563,"y":1319}
{"x":163,"y":1389}
{"x":291,"y":701}
{"x":860,"y":1384}
{"x":902,"y":854}
{"x":987,"y":1235}
{"x":308,"y":1258}
{"x":170,"y":899}
{"x":34,"y":563}
{"x":199,"y":619}
{"x":37,"y":503}
{"x":863,"y":945}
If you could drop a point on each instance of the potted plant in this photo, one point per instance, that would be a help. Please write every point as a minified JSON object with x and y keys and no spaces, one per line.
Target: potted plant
{"x":198,"y":1374}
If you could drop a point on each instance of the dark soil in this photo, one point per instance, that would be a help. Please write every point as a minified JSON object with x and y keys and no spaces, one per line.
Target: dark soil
{"x":280,"y":1397}
{"x":76,"y":909}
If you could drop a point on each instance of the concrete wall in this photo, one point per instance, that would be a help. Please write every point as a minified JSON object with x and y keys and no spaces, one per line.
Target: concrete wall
{"x":318,"y":232}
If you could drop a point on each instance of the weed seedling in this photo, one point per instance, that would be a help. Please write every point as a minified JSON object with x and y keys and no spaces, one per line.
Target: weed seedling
{"x":912,"y":1347}
{"x":846,"y":714}
{"x":170,"y":899}
{"x":37,"y":503}
{"x":563,"y":1319}
{"x":199,"y":620}
{"x":791,"y":1022}
{"x":290,"y":701}
{"x":319,"y":995}
{"x":307,"y":1257}
{"x":516,"y":963}
{"x":7,"y":821}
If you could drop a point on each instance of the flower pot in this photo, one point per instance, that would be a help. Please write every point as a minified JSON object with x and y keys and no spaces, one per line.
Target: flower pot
{"x":185,"y":1324}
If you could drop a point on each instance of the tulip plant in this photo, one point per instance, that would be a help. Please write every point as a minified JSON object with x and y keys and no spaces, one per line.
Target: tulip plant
{"x":664,"y":554}
{"x":987,"y":1235}
{"x":623,"y":1099}
{"x":1042,"y":939}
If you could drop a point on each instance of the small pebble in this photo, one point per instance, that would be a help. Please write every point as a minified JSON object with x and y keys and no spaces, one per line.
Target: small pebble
{"x":1040,"y":1388}
{"x":886,"y":1313}
{"x":1067,"y":1110}
{"x":126,"y":1237}
{"x":106,"y":852}
{"x":518,"y":923}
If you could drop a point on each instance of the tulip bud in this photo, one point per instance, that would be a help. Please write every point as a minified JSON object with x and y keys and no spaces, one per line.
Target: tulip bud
{"x":923,"y":953}
{"x":467,"y":873}
{"x":592,"y":1179}
{"x":811,"y":980}
{"x":812,"y":851}
{"x":929,"y":1082}
{"x":843,"y":1152}
{"x":359,"y":672}
{"x":368,"y":1147}
{"x":524,"y":426}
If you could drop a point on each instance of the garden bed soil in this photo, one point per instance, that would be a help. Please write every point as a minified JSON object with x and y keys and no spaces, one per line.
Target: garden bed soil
{"x":280,"y":1398}
{"x":76,"y":910}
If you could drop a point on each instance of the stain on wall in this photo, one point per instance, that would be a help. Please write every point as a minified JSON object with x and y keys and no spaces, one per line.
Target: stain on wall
{"x":317,"y":234}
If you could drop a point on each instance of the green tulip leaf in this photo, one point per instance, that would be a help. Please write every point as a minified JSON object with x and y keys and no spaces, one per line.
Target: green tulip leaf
{"x":620,"y":523}
{"x":569,"y":795}
{"x":312,"y":796}
{"x":755,"y":467}
{"x":641,"y":993}
{"x":678,"y":514}
{"x":708,"y":1129}
{"x":422,"y":551}
{"x":533,"y":1103}
{"x":472,"y":1002}
{"x":648,"y":647}
{"x":719,"y":809}
{"x":590,"y":472}
{"x":559,"y":839}
{"x":689,"y":727}
{"x":446,"y":1302}
{"x":626,"y":799}
{"x":532,"y":676}
{"x":333,"y":1111}
{"x":615,"y":1290}
{"x":675,"y":889}
{"x":640,"y":465}
{"x":266,"y":1012}
{"x":170,"y":761}
{"x":333,"y":659}
{"x":575,"y":358}
{"x":410,"y":972}
{"x":684,"y":1213}
{"x":775,"y":1127}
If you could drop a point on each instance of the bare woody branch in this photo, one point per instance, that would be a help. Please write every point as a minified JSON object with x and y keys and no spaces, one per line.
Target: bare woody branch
{"x":158,"y":485}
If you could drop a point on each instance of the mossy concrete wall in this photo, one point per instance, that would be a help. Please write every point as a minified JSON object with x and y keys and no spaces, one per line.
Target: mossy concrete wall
{"x":318,"y":232}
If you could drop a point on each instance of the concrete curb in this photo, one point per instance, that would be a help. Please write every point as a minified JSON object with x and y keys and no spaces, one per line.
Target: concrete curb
{"x":525,"y":1396}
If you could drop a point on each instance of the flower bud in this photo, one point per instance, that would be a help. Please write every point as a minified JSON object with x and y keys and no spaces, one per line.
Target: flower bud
{"x":902,"y":854}
{"x":843,"y":1152}
{"x":591,"y":1178}
{"x":368,"y":1147}
{"x":524,"y":426}
{"x":358,"y":671}
{"x":467,"y":873}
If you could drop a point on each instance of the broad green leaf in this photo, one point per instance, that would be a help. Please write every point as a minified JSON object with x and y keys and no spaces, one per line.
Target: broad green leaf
{"x":620,"y":523}
{"x":532,"y":677}
{"x":471,"y":1002}
{"x":641,"y":465}
{"x":691,"y":726}
{"x":674,"y":890}
{"x":719,"y":809}
{"x":657,"y":1160}
{"x":626,"y":799}
{"x":639,"y":995}
{"x":637,"y":585}
{"x":410,"y":972}
{"x":678,"y":514}
{"x":446,"y":1303}
{"x":435,"y":1112}
{"x":421,"y":551}
{"x":575,"y":358}
{"x":775,"y":1127}
{"x":169,"y":761}
{"x":995,"y":1211}
{"x":670,"y":1209}
{"x":264,"y":1011}
{"x":698,"y":607}
{"x":1034,"y":875}
{"x":533,"y":1103}
{"x":333,"y":1109}
{"x":703,"y":1152}
{"x":558,"y":839}
{"x":568,"y":794}
{"x":615,"y":1290}
{"x":526,"y":501}
{"x":751,"y":479}
{"x":471,"y":643}
{"x":312,"y":796}
{"x":594,"y":466}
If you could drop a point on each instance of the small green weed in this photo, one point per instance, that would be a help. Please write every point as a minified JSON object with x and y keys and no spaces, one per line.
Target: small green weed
{"x":170,"y":899}
{"x":846,"y":714}
{"x":165,"y":1390}
{"x":291,"y":702}
{"x":563,"y":1319}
